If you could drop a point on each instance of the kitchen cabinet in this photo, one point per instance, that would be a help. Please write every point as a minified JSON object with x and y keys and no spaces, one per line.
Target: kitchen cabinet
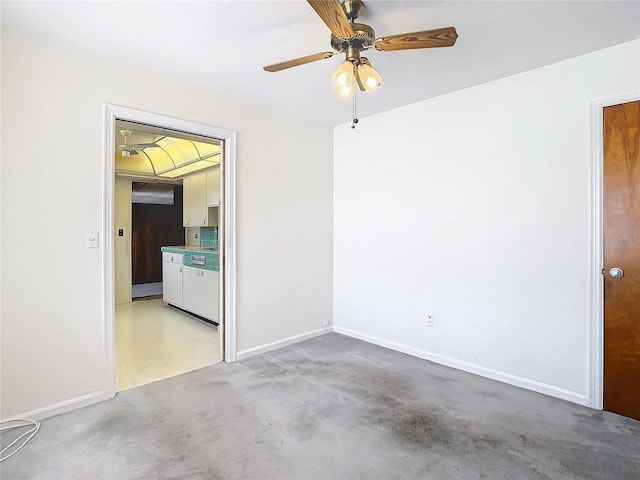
{"x":200,"y":292}
{"x":195,"y":211}
{"x":213,"y":187}
{"x":172,"y":274}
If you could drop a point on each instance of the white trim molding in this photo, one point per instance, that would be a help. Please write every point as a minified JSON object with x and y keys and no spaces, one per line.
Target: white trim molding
{"x":228,"y":244}
{"x":108,"y":294}
{"x":63,"y":407}
{"x":268,"y":347}
{"x":595,"y":347}
{"x":498,"y":375}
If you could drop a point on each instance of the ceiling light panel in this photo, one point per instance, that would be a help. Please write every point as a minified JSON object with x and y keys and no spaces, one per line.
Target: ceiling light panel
{"x":160,"y":159}
{"x":180,"y":150}
{"x":134,"y":164}
{"x":206,"y":150}
{"x":155,"y":152}
{"x":187,"y":169}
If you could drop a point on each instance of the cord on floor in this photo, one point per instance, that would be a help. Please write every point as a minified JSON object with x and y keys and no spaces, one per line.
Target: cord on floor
{"x":35,"y":426}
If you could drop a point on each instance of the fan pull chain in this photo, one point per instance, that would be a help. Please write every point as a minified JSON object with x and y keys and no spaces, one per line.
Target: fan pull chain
{"x":355,"y":90}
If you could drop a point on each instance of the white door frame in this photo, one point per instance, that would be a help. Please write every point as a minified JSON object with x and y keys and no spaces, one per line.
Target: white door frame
{"x":596,"y":337}
{"x":227,"y":243}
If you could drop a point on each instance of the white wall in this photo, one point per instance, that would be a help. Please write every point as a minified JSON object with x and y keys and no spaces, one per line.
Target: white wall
{"x":475,"y":207}
{"x":122,"y":245}
{"x":52,"y":119}
{"x":190,"y":236}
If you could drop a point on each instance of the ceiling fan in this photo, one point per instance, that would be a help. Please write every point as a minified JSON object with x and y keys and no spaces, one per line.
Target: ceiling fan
{"x":353,"y":38}
{"x":128,"y":149}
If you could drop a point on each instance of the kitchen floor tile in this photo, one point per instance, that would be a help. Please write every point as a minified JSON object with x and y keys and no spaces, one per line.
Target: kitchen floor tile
{"x":155,"y":341}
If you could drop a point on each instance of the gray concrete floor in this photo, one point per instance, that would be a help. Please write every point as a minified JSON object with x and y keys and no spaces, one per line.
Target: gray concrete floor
{"x":331,"y":408}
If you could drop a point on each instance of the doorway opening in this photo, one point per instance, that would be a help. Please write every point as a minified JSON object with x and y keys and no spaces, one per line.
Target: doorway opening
{"x":156,"y":336}
{"x":156,"y":220}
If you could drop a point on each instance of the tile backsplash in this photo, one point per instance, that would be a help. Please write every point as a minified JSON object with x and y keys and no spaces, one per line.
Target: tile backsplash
{"x":208,"y":236}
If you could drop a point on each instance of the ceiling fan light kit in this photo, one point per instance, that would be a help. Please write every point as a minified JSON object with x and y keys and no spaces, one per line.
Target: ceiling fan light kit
{"x":353,"y":38}
{"x":368,"y":78}
{"x":343,"y":78}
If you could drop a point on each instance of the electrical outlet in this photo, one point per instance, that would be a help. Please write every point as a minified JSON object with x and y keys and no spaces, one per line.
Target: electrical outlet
{"x":431,"y":320}
{"x":325,"y":323}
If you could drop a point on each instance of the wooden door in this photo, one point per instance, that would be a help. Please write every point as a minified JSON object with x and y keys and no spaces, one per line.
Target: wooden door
{"x":153,"y":227}
{"x":622,"y":250}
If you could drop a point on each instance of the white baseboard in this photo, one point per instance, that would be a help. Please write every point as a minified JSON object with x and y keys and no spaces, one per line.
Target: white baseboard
{"x":526,"y":383}
{"x":63,"y":407}
{"x":268,"y":347}
{"x":96,"y":397}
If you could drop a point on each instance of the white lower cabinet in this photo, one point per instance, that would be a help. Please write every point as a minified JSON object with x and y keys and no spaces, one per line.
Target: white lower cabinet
{"x":172,"y":278}
{"x":200,"y":292}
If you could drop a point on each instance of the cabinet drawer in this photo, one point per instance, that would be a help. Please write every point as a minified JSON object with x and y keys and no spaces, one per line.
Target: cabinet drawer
{"x":172,"y":257}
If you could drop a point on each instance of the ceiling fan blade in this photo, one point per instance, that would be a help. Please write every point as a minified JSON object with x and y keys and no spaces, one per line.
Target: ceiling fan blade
{"x":143,"y":145}
{"x":440,"y":37}
{"x":276,"y":67}
{"x":333,"y":15}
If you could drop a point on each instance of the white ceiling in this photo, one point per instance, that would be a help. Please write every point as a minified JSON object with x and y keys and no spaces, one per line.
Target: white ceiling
{"x":225,"y":44}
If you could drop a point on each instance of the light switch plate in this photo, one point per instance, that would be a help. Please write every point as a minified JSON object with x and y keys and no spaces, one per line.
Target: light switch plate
{"x":92,"y":240}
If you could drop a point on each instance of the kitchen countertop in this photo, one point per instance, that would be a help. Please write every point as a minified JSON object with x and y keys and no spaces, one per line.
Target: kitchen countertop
{"x":208,"y":255}
{"x":197,"y":249}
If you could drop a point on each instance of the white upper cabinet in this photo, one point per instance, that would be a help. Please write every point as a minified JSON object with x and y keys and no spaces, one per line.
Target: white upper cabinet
{"x":213,"y":187}
{"x":195,"y":208}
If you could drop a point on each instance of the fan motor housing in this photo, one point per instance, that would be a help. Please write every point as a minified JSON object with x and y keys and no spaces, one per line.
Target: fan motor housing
{"x":363,"y":38}
{"x":353,"y":8}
